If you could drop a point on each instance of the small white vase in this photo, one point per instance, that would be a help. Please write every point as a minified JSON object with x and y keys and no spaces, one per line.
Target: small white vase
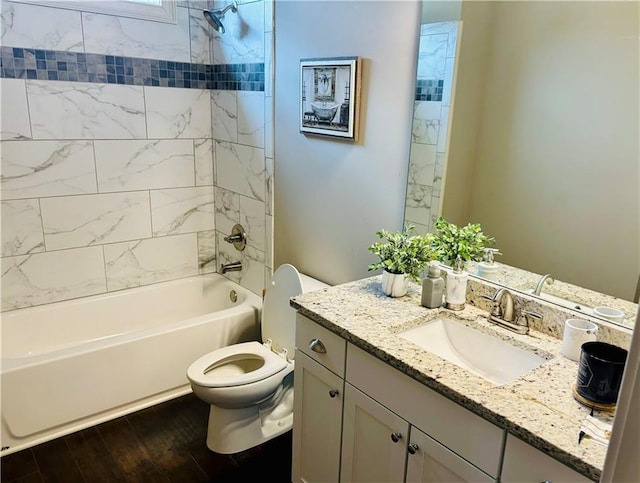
{"x":394,"y":284}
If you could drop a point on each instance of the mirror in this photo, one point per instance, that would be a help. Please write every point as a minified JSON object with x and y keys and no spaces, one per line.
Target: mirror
{"x":537,"y":140}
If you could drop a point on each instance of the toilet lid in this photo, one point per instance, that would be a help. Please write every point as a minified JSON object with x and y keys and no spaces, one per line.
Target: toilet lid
{"x":278,"y":317}
{"x":198,"y":372}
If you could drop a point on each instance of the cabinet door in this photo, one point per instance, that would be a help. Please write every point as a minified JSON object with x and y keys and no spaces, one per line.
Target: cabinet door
{"x":374,"y":440}
{"x":430,"y":462}
{"x":317,"y":422}
{"x":524,"y":463}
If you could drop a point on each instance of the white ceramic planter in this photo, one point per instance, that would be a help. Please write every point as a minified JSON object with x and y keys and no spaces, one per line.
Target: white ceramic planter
{"x":394,"y":285}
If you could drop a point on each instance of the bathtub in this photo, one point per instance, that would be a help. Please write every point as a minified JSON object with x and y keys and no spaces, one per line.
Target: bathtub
{"x":70,"y":365}
{"x":323,"y":112}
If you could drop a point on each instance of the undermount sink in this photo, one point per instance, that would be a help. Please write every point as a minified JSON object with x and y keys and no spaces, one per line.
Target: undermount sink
{"x":480,"y":353}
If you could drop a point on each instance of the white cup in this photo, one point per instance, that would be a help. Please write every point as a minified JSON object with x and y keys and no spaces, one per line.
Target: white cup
{"x":576,"y":333}
{"x":614,"y":315}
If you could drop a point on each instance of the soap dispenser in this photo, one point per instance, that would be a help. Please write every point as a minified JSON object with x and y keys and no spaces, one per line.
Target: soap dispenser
{"x":487,"y":269}
{"x":432,"y":287}
{"x":456,"y":293}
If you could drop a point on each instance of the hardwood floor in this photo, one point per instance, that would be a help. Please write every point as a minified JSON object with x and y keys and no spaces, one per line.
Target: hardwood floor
{"x":165,"y":443}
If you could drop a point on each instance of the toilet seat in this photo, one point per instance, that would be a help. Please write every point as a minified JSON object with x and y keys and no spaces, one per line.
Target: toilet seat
{"x":212,"y":369}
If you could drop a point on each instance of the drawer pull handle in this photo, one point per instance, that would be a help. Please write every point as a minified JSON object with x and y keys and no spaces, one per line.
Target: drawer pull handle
{"x":316,"y":345}
{"x":333,"y":393}
{"x":395,"y":437}
{"x":413,"y":448}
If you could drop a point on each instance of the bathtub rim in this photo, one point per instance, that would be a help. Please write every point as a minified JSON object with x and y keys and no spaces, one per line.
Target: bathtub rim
{"x":12,"y":363}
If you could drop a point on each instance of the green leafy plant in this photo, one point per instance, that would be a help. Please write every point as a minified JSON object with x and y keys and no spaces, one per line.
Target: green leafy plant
{"x":467,"y":242}
{"x":401,"y":252}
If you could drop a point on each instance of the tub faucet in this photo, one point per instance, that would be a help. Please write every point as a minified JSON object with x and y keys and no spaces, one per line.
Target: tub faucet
{"x":231,"y":267}
{"x":545,"y":278}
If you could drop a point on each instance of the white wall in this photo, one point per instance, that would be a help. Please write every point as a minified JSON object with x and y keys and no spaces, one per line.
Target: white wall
{"x":469,"y":96}
{"x":556,"y":176}
{"x":331,"y":196}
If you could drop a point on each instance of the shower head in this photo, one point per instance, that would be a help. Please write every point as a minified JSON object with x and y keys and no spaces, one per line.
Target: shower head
{"x":215,"y":17}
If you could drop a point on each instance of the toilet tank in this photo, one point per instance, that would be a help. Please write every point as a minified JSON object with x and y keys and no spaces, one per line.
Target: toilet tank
{"x":311,"y":284}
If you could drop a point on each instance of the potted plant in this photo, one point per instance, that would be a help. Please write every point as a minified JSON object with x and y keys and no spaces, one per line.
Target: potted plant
{"x":454,"y":247}
{"x":467,"y":242}
{"x":402,"y":256}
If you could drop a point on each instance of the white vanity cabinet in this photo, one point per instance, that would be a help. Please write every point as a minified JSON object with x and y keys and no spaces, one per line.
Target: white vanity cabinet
{"x":379,"y":445}
{"x":317,"y":422}
{"x":525,"y":464}
{"x":318,"y":398}
{"x":384,"y":425}
{"x":445,"y":442}
{"x":430,"y":462}
{"x":374,"y":440}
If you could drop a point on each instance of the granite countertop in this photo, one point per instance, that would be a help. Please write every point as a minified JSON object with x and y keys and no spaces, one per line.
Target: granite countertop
{"x":572,"y":295}
{"x":538,"y":407}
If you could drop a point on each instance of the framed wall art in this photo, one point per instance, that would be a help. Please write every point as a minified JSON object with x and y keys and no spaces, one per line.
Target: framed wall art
{"x":329,"y":97}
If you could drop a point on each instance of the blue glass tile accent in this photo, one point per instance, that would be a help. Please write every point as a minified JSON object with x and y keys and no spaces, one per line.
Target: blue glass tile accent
{"x":428,"y":89}
{"x":20,"y":63}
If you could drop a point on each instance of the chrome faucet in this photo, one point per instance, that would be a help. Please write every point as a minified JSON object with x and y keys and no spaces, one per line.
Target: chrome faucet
{"x":506,"y":317}
{"x":507,"y":314}
{"x":231,"y":267}
{"x":545,"y":278}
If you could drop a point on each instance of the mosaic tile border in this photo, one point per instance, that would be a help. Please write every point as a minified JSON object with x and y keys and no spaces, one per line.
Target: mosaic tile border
{"x":56,"y":65}
{"x":429,"y":89}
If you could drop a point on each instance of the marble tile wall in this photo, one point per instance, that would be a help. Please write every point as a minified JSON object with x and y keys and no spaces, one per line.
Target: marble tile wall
{"x":106,"y":186}
{"x":436,"y":59}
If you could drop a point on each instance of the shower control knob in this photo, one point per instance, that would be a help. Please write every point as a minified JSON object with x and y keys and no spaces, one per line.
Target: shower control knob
{"x":395,"y":437}
{"x":333,"y":393}
{"x":413,"y":448}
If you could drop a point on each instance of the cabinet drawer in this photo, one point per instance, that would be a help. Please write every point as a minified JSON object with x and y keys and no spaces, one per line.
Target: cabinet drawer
{"x":470,"y":436}
{"x":320,"y":344}
{"x":524,"y":463}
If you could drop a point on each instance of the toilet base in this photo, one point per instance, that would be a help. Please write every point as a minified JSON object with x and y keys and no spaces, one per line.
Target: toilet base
{"x":234,"y":430}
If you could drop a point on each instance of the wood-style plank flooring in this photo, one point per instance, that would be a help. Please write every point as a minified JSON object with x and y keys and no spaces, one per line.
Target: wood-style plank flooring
{"x":165,"y":443}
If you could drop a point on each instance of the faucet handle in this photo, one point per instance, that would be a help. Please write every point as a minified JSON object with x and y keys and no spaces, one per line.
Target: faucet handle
{"x":525,"y":314}
{"x":496,"y":309}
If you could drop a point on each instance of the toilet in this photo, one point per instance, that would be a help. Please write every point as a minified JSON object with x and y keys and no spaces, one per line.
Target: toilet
{"x":250,"y":385}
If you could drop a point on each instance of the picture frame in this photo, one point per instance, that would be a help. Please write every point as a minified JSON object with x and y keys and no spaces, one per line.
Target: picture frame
{"x":330,"y":97}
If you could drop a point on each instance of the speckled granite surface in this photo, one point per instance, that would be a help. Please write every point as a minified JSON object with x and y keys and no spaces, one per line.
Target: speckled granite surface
{"x":538,"y":407}
{"x":569,"y":295}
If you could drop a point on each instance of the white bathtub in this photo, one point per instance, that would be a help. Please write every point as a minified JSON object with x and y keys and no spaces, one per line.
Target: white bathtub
{"x":70,"y":365}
